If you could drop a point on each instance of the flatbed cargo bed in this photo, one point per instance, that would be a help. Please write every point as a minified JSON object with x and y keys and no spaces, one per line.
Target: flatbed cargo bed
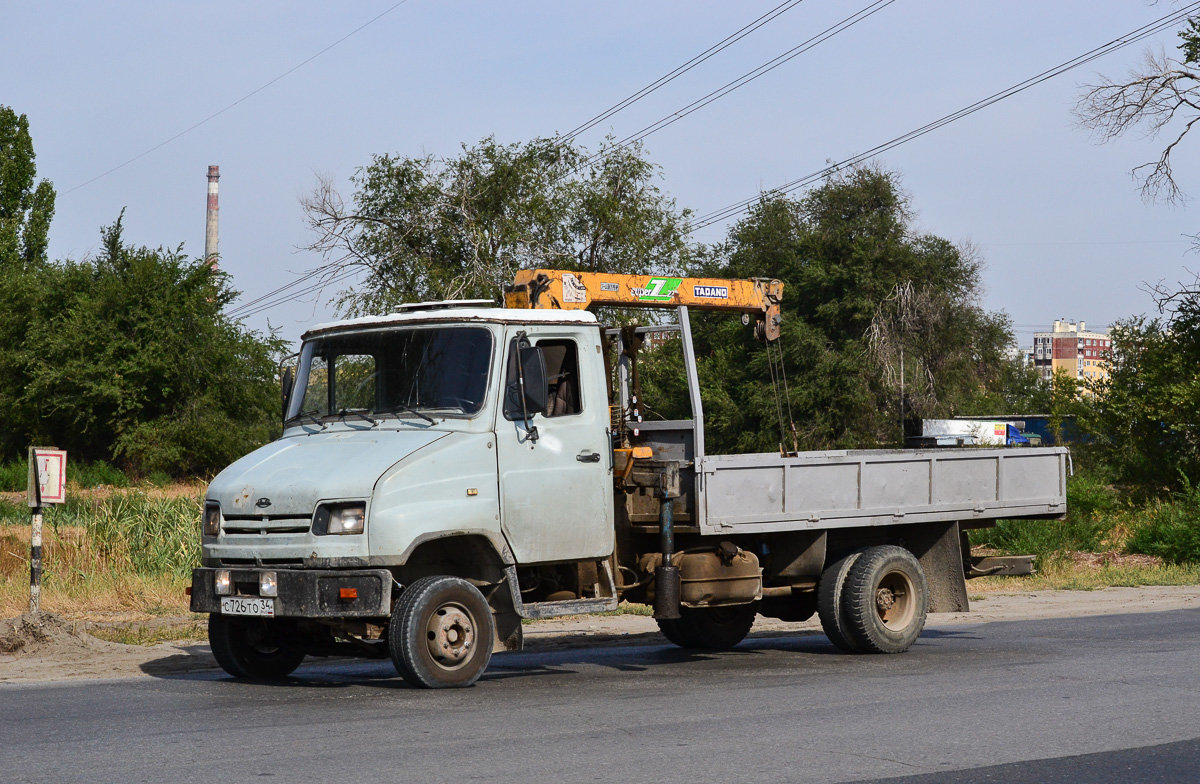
{"x":763,"y":493}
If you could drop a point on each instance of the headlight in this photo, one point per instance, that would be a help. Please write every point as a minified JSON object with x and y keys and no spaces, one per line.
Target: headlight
{"x":212,"y":520}
{"x":268,"y":585}
{"x":339,"y":518}
{"x":223,"y":583}
{"x":346,"y":520}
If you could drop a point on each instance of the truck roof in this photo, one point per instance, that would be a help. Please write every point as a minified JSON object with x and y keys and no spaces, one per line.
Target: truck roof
{"x":447,"y":312}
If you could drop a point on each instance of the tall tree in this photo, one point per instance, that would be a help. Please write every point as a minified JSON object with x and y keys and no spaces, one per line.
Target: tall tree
{"x":460,"y":227}
{"x":1145,"y":415}
{"x":844,"y":251}
{"x":128,"y":358}
{"x":25,"y":210}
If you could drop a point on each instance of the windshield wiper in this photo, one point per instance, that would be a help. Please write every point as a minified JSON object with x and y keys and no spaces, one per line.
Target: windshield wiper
{"x":358,"y":412}
{"x":407,"y":410}
{"x":311,"y":416}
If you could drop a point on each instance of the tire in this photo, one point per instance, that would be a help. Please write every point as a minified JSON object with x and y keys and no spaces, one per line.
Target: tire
{"x":251,"y":648}
{"x":829,"y":601}
{"x":441,"y":632}
{"x":884,"y":601}
{"x":709,"y":628}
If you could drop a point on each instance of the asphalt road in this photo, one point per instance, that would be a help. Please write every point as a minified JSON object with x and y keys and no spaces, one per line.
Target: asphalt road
{"x":1101,"y":699}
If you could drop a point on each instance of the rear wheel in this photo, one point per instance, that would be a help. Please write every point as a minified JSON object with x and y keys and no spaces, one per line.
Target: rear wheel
{"x":709,"y":628}
{"x":829,"y":601}
{"x":251,"y":648}
{"x":884,"y":601}
{"x":441,"y":633}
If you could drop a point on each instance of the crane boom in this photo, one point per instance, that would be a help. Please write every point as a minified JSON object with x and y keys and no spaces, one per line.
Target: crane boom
{"x":546,"y":288}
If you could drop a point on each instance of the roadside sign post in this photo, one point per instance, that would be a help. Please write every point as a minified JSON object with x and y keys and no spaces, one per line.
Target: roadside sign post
{"x":47,"y":485}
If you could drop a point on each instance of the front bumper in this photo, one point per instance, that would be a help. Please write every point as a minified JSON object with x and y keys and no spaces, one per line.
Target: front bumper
{"x":304,"y":593}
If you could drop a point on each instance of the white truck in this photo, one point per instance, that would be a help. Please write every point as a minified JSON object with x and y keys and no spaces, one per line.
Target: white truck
{"x":453,"y":468}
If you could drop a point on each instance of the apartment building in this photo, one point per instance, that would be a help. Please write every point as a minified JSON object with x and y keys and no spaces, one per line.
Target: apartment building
{"x":1070,"y":347}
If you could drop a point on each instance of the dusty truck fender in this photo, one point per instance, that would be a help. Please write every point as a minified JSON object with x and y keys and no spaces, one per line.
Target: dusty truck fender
{"x":447,"y":488}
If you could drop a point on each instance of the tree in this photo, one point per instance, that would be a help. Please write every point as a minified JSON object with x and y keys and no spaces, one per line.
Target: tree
{"x":1145,"y":415}
{"x":852,"y":268}
{"x":1160,"y":95}
{"x":447,"y":228}
{"x":25,"y":211}
{"x":128,"y":358}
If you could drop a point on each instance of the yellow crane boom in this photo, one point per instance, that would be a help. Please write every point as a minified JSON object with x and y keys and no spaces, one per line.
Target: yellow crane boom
{"x":545,"y":288}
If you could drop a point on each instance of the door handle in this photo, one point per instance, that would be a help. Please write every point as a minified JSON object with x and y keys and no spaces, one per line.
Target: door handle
{"x":588,"y":457}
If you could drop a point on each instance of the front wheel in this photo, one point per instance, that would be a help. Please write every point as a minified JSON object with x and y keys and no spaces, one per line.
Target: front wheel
{"x":441,"y":633}
{"x":709,"y":628}
{"x":251,"y":648}
{"x":884,"y":601}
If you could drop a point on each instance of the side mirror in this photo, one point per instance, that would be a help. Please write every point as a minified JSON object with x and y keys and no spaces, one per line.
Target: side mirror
{"x":527,"y":388}
{"x":533,"y":371}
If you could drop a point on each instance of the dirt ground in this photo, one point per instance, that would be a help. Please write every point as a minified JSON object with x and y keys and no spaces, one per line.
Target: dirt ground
{"x":49,"y":648}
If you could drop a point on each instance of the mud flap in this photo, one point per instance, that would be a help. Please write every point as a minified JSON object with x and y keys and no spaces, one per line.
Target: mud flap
{"x":938,"y":549}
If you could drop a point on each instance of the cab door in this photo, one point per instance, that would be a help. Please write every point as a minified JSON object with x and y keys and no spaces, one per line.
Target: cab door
{"x":556,"y":500}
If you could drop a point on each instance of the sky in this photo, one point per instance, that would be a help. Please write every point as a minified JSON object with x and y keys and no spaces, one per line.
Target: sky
{"x":1055,"y":216}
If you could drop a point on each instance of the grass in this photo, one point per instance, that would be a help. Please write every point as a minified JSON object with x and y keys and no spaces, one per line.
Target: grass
{"x":14,"y":475}
{"x":1066,"y":575}
{"x":145,"y":634}
{"x":1100,"y":521}
{"x":120,"y":552}
{"x":125,"y":554}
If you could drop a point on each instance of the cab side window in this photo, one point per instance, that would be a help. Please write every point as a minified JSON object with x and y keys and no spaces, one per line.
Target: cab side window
{"x":562,"y":372}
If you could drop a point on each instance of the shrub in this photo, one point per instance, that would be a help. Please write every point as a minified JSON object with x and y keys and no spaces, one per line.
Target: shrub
{"x":1171,"y":529}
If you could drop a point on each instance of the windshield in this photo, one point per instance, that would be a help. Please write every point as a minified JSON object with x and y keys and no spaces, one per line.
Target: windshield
{"x":404,"y":372}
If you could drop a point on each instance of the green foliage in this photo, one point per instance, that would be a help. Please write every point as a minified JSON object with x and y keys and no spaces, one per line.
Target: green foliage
{"x":1016,"y":388}
{"x":25,"y":210}
{"x":1191,"y":41}
{"x":1145,"y":418}
{"x":127,"y":531}
{"x":1092,"y":509}
{"x":14,"y":475}
{"x":861,"y":290}
{"x":128,"y":358}
{"x":148,"y":536}
{"x":460,"y":227}
{"x":1171,"y":530}
{"x":95,"y":474}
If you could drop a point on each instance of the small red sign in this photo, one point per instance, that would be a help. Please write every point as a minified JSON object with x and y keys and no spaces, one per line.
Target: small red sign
{"x":50,"y":466}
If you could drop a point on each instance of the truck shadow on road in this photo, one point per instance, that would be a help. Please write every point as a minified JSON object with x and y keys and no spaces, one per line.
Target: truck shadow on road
{"x":559,"y":658}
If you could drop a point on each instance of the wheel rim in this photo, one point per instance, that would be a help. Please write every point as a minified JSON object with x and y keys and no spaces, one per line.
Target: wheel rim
{"x":895,"y":600}
{"x":450,"y":635}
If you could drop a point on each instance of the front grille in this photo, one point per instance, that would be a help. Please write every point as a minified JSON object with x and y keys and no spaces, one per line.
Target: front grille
{"x":267,"y":525}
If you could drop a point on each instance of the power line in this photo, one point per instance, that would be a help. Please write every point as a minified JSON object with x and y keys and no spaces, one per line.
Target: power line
{"x":308,"y":276}
{"x":742,"y":80}
{"x":724,"y":43}
{"x":261,"y":303}
{"x":250,"y":94}
{"x":294,"y":295}
{"x":1130,"y":38}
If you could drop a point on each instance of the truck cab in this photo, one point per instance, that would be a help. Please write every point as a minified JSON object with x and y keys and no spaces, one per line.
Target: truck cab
{"x":443,"y":439}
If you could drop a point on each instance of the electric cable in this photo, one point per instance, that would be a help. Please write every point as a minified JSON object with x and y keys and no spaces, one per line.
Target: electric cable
{"x":739,"y":82}
{"x":725,"y":43}
{"x":1139,"y":34}
{"x":250,"y":94}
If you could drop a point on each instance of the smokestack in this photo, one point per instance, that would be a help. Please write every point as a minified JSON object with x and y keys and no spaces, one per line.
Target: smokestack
{"x":210,"y":234}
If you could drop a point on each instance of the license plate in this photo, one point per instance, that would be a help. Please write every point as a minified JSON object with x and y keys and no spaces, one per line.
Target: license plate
{"x":247,"y":605}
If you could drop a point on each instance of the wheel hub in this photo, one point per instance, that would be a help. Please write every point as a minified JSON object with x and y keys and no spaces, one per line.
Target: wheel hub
{"x":894,"y":600}
{"x":885,"y":599}
{"x":450,"y":635}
